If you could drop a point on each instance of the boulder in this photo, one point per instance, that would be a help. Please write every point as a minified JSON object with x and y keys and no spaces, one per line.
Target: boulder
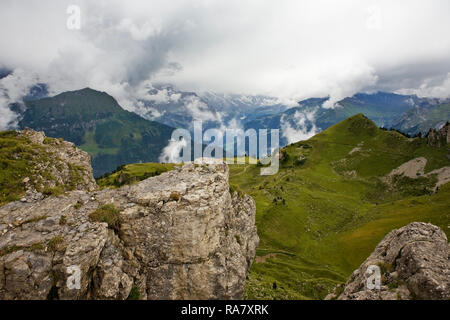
{"x":413,"y":262}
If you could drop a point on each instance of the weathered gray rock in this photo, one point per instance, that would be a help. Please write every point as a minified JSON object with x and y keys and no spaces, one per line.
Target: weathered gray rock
{"x":414,"y":264}
{"x":439,"y":138}
{"x":181,"y":235}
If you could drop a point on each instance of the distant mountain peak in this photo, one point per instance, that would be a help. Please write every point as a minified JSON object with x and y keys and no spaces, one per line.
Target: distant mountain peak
{"x":95,"y":122}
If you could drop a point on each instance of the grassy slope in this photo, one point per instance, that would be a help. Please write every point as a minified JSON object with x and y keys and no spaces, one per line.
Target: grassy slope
{"x":132,"y":173}
{"x":20,"y":158}
{"x":14,"y":168}
{"x":324,"y":224}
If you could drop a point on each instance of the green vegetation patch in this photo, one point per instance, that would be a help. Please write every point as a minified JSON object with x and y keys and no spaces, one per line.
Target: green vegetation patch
{"x":133,"y":173}
{"x":235,"y":188}
{"x":36,"y":247}
{"x":134,"y":294}
{"x":175,"y":196}
{"x":109,"y":214}
{"x":20,"y":159}
{"x":56,"y":244}
{"x":17,"y":158}
{"x":55,"y":191}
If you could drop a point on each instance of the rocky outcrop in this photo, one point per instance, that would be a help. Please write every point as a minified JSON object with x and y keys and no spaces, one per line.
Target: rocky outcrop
{"x":415,"y":169}
{"x":56,"y":164}
{"x":413,"y":263}
{"x":180,"y":235}
{"x":439,"y":138}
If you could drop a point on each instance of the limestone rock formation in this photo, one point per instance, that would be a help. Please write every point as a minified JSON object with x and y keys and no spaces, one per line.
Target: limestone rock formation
{"x":439,"y":138}
{"x":180,"y":235}
{"x":59,"y":164}
{"x":413,"y":262}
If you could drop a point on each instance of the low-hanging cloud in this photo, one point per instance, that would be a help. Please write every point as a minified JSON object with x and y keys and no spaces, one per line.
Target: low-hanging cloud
{"x":13,"y":88}
{"x":300,"y":127}
{"x":429,"y":88}
{"x":199,"y":110}
{"x":172,"y":152}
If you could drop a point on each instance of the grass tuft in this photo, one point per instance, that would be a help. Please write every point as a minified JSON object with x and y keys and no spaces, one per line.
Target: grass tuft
{"x":109,"y":214}
{"x":133,"y":173}
{"x":134,"y":294}
{"x":56,"y":244}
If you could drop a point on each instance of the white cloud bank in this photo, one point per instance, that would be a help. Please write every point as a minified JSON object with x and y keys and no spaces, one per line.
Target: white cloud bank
{"x":430,"y":89}
{"x":288,"y":49}
{"x":297,"y":128}
{"x":12,"y":89}
{"x":171,"y":153}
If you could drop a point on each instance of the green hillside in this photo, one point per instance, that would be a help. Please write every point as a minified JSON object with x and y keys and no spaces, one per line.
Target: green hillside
{"x":96,"y":123}
{"x":326,"y":209}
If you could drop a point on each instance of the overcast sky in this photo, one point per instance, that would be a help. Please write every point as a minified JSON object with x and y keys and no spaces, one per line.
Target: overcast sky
{"x":287,"y":49}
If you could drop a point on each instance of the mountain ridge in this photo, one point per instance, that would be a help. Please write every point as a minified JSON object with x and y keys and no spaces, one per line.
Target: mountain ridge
{"x":108,"y":133}
{"x":334,"y":198}
{"x":385,"y":109}
{"x":96,"y":123}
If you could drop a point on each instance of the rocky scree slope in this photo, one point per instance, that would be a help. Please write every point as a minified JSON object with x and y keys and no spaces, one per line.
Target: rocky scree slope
{"x":180,"y":235}
{"x":414,"y":264}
